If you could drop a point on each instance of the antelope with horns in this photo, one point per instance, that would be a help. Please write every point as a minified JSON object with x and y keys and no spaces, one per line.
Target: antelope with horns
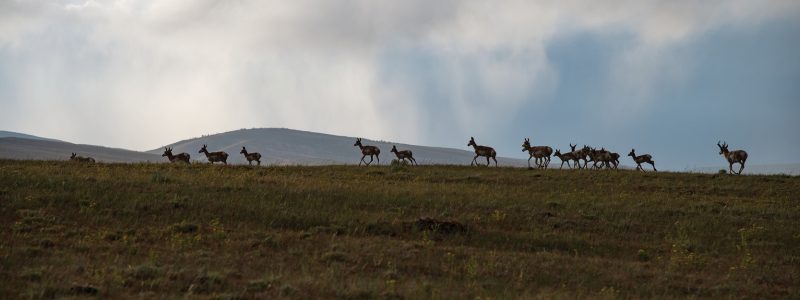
{"x":488,"y":152}
{"x":541,"y":153}
{"x":402,"y":155}
{"x":181,"y":157}
{"x":213,"y":157}
{"x":737,"y":156}
{"x":251,"y":156}
{"x":644,"y":158}
{"x":75,"y":157}
{"x":368,"y":150}
{"x":565,"y":158}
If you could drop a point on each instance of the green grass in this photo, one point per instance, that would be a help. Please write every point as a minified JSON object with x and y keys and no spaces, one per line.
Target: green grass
{"x":160,"y":230}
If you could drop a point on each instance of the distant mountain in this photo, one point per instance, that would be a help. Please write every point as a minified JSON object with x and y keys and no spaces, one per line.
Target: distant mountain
{"x":294,"y":147}
{"x":41,"y":149}
{"x":787,"y":169}
{"x":10,"y":134}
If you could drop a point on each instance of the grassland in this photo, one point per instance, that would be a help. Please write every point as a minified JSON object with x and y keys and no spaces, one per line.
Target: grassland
{"x":170,"y":231}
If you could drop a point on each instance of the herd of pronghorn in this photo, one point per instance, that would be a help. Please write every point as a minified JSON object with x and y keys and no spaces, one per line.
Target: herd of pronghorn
{"x":600,"y":158}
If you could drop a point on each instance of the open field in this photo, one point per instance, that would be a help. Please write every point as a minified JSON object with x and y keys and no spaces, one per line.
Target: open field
{"x":167,"y":231}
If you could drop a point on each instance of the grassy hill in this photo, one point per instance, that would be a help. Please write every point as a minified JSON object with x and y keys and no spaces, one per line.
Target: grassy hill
{"x":162,"y":230}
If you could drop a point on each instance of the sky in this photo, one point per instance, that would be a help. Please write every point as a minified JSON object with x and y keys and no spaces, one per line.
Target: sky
{"x":669,"y":78}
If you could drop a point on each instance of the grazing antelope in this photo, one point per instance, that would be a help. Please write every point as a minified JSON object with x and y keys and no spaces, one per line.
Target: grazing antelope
{"x":251,"y":156}
{"x":482,"y":151}
{"x":402,"y":155}
{"x":213,"y":157}
{"x":737,"y":156}
{"x":368,"y":150}
{"x":77,"y":158}
{"x":565,"y":158}
{"x":644,"y":158}
{"x":541,"y":153}
{"x":182,"y":157}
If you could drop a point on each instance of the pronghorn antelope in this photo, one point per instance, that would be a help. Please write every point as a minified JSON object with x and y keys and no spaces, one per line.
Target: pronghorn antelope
{"x":737,"y":156}
{"x":541,"y":153}
{"x":182,"y":157}
{"x":368,"y":150}
{"x":213,"y":157}
{"x":251,"y":156}
{"x":614,"y":159}
{"x":402,"y":155}
{"x":644,"y":158}
{"x":582,"y":154}
{"x":488,"y":152}
{"x":601,"y":156}
{"x":565,"y":158}
{"x":77,"y":158}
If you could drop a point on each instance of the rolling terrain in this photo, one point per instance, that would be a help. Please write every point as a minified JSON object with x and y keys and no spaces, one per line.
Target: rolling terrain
{"x":45,"y":149}
{"x":11,"y":134}
{"x":282,"y":146}
{"x":277,"y":145}
{"x":436,"y":232}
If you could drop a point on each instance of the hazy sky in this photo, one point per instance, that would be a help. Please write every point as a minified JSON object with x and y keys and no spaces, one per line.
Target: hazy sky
{"x":669,"y":78}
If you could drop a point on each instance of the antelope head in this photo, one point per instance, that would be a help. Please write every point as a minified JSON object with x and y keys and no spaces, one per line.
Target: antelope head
{"x":558,"y":153}
{"x":632,"y":154}
{"x":394,"y":149}
{"x":722,"y":148}
{"x":167,"y":152}
{"x":571,"y":146}
{"x":244,"y":151}
{"x":526,"y":144}
{"x":204,"y":149}
{"x":358,"y":142}
{"x":471,"y":142}
{"x":73,"y":155}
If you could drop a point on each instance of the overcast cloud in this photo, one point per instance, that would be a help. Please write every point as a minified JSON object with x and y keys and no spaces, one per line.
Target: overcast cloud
{"x":141,"y":74}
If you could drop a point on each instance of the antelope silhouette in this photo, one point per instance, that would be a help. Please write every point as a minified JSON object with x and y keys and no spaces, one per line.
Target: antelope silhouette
{"x":182,"y":157}
{"x":644,"y":158}
{"x":541,"y":153}
{"x":488,"y":152}
{"x":601,"y":156}
{"x":402,"y":155}
{"x":251,"y":156}
{"x":219,"y":156}
{"x":75,"y":157}
{"x":736,"y":156}
{"x":368,"y":150}
{"x":565,"y":158}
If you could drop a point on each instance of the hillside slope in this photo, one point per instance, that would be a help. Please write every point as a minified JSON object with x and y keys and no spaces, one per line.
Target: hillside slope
{"x":11,"y":134}
{"x":293,"y":147}
{"x":35,"y":149}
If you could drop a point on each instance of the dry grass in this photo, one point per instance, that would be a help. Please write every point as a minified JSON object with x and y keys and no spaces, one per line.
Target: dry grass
{"x":152,"y":231}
